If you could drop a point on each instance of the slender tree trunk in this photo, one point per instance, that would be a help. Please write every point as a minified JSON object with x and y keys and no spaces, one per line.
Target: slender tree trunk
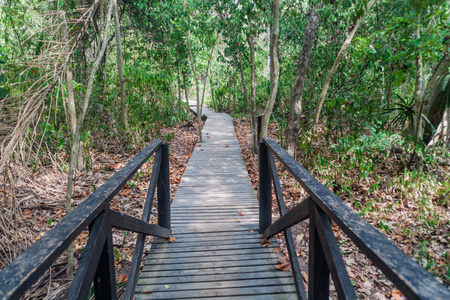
{"x":206,"y":77}
{"x":418,"y":106}
{"x":275,"y":66}
{"x":77,"y":134}
{"x":179,"y":91}
{"x":244,"y":86}
{"x":186,"y":95}
{"x":251,"y":44}
{"x":123,"y":95}
{"x":78,"y":158}
{"x":446,"y":124}
{"x":337,"y":61}
{"x":79,"y":162}
{"x":197,"y":89}
{"x":293,"y":124}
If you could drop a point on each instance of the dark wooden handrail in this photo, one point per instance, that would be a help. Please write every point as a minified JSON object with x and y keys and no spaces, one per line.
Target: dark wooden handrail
{"x":324,"y":255}
{"x":97,"y":261}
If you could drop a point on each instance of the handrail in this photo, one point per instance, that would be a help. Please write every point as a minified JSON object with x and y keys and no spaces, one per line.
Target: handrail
{"x":97,"y":261}
{"x":325,"y":257}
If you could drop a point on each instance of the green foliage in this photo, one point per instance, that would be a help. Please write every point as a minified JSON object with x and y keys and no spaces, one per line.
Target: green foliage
{"x":403,"y":110}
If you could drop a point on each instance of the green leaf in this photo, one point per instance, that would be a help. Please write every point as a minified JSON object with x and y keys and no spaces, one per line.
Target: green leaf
{"x":3,"y":93}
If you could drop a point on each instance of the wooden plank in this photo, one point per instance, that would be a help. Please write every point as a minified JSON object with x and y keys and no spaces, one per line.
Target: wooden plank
{"x":201,"y":228}
{"x":161,"y":248}
{"x":156,"y":256}
{"x":126,"y":222}
{"x":222,"y":284}
{"x":202,"y":211}
{"x":240,"y":231}
{"x":215,"y":222}
{"x":221,"y":277}
{"x":172,"y":259}
{"x":196,"y":243}
{"x":258,"y":297}
{"x":208,"y":265}
{"x":220,"y":238}
{"x":214,"y":216}
{"x":259,"y":290}
{"x":294,"y":216}
{"x":210,"y":271}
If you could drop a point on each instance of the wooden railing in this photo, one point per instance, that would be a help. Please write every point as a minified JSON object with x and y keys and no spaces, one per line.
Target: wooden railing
{"x":322,"y":207}
{"x":97,"y":261}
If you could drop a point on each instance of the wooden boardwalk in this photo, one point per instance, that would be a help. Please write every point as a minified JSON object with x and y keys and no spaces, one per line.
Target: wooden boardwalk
{"x":217,"y":250}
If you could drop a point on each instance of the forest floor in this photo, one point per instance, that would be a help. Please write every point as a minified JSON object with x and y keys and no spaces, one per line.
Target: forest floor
{"x":428,"y":246}
{"x":41,"y":198}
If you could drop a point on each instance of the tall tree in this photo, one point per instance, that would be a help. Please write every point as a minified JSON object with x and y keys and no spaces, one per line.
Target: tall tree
{"x":337,"y":61}
{"x":123,"y":95}
{"x":251,"y":44}
{"x":274,"y":66}
{"x":77,"y":134}
{"x":293,"y":124}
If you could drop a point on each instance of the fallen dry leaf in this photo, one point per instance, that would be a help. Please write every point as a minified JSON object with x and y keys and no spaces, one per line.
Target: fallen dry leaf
{"x":238,"y":221}
{"x":122,"y":278}
{"x":305,"y":276}
{"x":283,"y":267}
{"x":171,"y":239}
{"x":147,"y":292}
{"x":265,"y":242}
{"x":277,"y":250}
{"x":397,"y":295}
{"x":241,"y":213}
{"x":283,"y":260}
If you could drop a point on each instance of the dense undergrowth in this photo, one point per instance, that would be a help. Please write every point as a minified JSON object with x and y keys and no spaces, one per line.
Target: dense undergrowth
{"x":370,"y":173}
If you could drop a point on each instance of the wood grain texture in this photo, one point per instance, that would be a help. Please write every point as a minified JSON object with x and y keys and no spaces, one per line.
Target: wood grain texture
{"x":217,"y":250}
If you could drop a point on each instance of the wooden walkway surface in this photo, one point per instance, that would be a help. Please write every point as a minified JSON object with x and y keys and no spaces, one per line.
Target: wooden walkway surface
{"x":217,"y":251}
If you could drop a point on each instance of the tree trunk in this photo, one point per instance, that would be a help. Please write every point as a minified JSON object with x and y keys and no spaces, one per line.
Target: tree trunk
{"x":123,"y":95}
{"x":79,"y":162}
{"x":179,"y":91}
{"x":275,"y":69}
{"x":337,"y":61}
{"x":197,"y":89}
{"x":77,"y":134}
{"x":244,"y":86}
{"x":418,"y":106}
{"x":251,"y":44}
{"x":199,"y":111}
{"x":293,"y":124}
{"x":186,"y":95}
{"x":206,"y":77}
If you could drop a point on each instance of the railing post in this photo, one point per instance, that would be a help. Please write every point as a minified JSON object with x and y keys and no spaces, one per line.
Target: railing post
{"x":164,"y":189}
{"x":259,"y":118}
{"x":264,"y":189}
{"x":319,"y":274}
{"x":105,"y":278}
